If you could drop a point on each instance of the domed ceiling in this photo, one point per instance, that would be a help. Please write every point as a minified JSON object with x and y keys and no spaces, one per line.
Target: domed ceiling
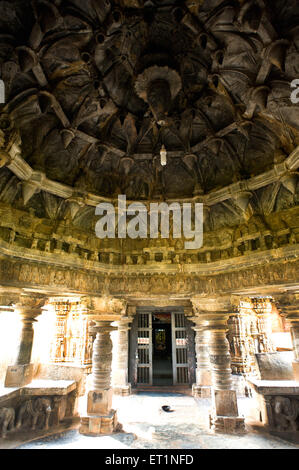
{"x":96,"y":88}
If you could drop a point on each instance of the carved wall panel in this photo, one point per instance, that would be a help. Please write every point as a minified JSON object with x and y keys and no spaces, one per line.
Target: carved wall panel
{"x":36,"y":414}
{"x":73,"y":343}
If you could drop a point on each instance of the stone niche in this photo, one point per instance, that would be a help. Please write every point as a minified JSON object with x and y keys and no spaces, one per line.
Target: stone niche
{"x":40,"y":408}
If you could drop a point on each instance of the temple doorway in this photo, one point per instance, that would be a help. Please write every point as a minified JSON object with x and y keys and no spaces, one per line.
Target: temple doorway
{"x":161,"y":348}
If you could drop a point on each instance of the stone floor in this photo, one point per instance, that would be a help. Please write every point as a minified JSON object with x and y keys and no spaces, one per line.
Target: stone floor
{"x":147,"y":426}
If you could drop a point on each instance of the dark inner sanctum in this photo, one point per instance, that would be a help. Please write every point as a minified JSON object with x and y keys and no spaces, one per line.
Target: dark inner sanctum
{"x":162,"y":354}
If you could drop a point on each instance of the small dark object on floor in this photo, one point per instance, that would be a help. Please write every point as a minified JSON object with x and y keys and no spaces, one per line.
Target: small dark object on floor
{"x":167,"y":409}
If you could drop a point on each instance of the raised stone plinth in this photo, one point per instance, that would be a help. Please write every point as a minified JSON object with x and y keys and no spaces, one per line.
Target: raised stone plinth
{"x":277,"y":402}
{"x":37,"y":409}
{"x":201,"y":391}
{"x":96,"y":425}
{"x":227,"y":424}
{"x":124,"y":390}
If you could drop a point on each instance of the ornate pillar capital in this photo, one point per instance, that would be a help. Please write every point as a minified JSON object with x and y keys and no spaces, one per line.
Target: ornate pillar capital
{"x":30,"y":306}
{"x":124,"y":323}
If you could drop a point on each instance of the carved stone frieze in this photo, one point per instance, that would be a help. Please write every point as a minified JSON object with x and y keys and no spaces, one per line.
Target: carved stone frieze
{"x":56,"y":279}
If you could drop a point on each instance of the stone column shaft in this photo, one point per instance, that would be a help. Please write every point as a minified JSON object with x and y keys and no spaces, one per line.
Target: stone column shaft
{"x":202,"y":387}
{"x":292,"y":316}
{"x":220,"y":360}
{"x":120,"y":374}
{"x":295,"y":339}
{"x":290,"y":310}
{"x":26,"y":341}
{"x":102,"y":358}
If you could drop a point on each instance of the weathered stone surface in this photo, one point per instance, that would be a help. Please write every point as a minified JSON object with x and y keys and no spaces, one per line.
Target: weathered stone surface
{"x":225,"y":402}
{"x":296,"y":371}
{"x":99,"y":402}
{"x":275,"y":366}
{"x":19,"y":375}
{"x":40,"y":406}
{"x":97,"y":425}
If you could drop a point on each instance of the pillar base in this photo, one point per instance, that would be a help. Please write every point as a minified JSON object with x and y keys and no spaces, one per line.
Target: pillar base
{"x":123,"y":390}
{"x":96,"y":425}
{"x":201,"y":391}
{"x":296,"y":371}
{"x":99,"y":402}
{"x":19,"y":375}
{"x":224,"y":402}
{"x":227,"y":424}
{"x":224,"y":416}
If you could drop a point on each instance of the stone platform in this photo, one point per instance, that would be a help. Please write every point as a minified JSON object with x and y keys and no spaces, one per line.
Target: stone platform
{"x":97,"y":425}
{"x":278,"y":403}
{"x":39,"y":407}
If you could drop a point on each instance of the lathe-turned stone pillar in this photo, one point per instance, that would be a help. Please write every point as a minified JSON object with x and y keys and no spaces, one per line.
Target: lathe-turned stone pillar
{"x":100,"y":417}
{"x":224,"y":415}
{"x":20,"y":374}
{"x":120,"y":372}
{"x":289,"y":307}
{"x":202,"y":387}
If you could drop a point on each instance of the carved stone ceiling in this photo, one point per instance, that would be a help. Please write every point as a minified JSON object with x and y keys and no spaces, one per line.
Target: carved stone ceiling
{"x":97,"y":87}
